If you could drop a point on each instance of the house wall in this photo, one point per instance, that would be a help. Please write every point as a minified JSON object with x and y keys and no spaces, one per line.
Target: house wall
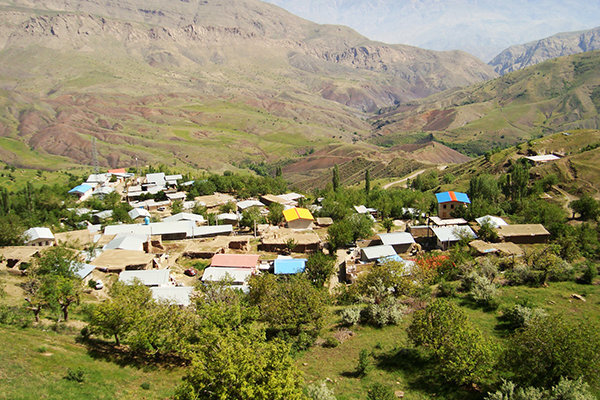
{"x":300,"y":224}
{"x":527,"y":239}
{"x":445,"y":209}
{"x":41,"y":242}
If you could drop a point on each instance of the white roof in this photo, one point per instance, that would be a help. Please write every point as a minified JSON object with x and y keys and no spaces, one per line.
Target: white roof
{"x":177,"y":196}
{"x":103,"y":214}
{"x":242,"y":205}
{"x":98,"y":178}
{"x":103,"y":190}
{"x":396,"y":238}
{"x":376,"y":252}
{"x":156,"y":228}
{"x":290,"y":196}
{"x":127,"y":242}
{"x":155,"y":189}
{"x":447,"y":222}
{"x":450,"y":233}
{"x":152,"y":277}
{"x":361,"y":209}
{"x":84,"y":270}
{"x":32,"y":234}
{"x":543,"y":158}
{"x":175,"y":177}
{"x":138,"y":212}
{"x":157,"y":178}
{"x":188,"y":183}
{"x":239,"y":275}
{"x":179,"y":295}
{"x":199,"y":231}
{"x":495,"y":222}
{"x":228,"y":216}
{"x":188,"y":205}
{"x":185,"y":217}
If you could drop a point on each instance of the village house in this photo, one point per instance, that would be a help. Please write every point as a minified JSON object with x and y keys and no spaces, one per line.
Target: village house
{"x":278,"y":241}
{"x":38,"y":236}
{"x":402,"y":242}
{"x":450,"y":201}
{"x":139,"y":213}
{"x":269,"y":199}
{"x":494,"y":222}
{"x":183,"y":216}
{"x":97,"y":180}
{"x":544,"y":158}
{"x":150,"y":278}
{"x":178,"y":295}
{"x":289,"y":266}
{"x":82,"y":192}
{"x":121,"y":260}
{"x":13,"y":256}
{"x":448,"y":236}
{"x":523,"y":234}
{"x":298,"y":218}
{"x":374,"y":253}
{"x":437,"y":221}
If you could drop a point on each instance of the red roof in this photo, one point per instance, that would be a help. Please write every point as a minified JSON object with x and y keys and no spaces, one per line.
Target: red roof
{"x":117,"y":171}
{"x":235,"y":260}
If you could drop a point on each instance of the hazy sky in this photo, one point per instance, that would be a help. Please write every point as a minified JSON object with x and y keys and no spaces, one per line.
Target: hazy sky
{"x":481,"y":27}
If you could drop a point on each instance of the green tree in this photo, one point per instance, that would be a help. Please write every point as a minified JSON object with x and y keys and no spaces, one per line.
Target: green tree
{"x":380,"y":391}
{"x":11,"y":230}
{"x":275,"y":213}
{"x":62,"y":291}
{"x":176,"y":207}
{"x":462,"y":354}
{"x":367,"y":182}
{"x":363,"y":366}
{"x":552,"y":347}
{"x":240,"y":367}
{"x":350,"y":229}
{"x":335,"y":179}
{"x":587,"y":207}
{"x":319,"y":268}
{"x":34,"y":296}
{"x":515,"y":185}
{"x":388,"y":224}
{"x":252,"y":216}
{"x":228,"y":207}
{"x":57,"y":261}
{"x":487,"y":232}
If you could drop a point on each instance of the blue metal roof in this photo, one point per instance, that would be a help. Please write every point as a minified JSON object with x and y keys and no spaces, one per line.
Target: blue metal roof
{"x":81,"y":188}
{"x":446,"y":197}
{"x":290,"y":266}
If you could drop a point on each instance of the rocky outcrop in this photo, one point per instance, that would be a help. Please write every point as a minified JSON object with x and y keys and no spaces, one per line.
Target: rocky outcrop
{"x":562,"y":44}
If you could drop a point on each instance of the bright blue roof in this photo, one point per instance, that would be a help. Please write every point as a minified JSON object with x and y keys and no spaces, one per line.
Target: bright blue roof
{"x":290,"y":266}
{"x":446,"y":197}
{"x":81,"y":188}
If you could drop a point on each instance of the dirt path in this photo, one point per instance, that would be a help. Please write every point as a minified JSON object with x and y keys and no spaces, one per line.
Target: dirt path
{"x":568,"y":197}
{"x":411,"y":176}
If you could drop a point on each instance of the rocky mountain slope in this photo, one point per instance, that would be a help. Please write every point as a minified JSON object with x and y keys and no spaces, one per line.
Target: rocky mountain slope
{"x":184,"y":80}
{"x":559,"y":94}
{"x":562,"y":44}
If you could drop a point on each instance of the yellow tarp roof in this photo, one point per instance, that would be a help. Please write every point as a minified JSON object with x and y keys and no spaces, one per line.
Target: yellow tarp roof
{"x":295,"y":213}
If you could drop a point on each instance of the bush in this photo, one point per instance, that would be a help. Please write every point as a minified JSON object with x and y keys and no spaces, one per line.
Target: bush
{"x":483,"y":291}
{"x":145,"y":386}
{"x":92,"y":283}
{"x":389,"y":312}
{"x":380,"y":391}
{"x":565,"y":390}
{"x":331,"y":342}
{"x":319,"y":391}
{"x":351,"y":315}
{"x":520,"y":316}
{"x":446,"y":289}
{"x":76,"y":375}
{"x":364,"y":363}
{"x":590,"y":271}
{"x":15,"y":316}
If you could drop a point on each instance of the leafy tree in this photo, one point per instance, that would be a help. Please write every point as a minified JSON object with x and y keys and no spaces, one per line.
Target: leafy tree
{"x":242,"y":366}
{"x":587,"y":207}
{"x":461,"y":352}
{"x":367,"y":182}
{"x":319,"y":268}
{"x":34,"y":296}
{"x":565,"y":389}
{"x":363,"y":366}
{"x":487,"y":232}
{"x":252,"y":216}
{"x":57,"y":261}
{"x":117,"y":316}
{"x":62,"y":291}
{"x":382,"y":281}
{"x":388,"y":224}
{"x":11,"y":230}
{"x":552,"y":347}
{"x":291,"y":305}
{"x":515,"y":184}
{"x":484,"y":187}
{"x":228,"y":207}
{"x":275,"y":213}
{"x":335,"y":179}
{"x":319,"y":391}
{"x":176,"y":207}
{"x":350,"y":229}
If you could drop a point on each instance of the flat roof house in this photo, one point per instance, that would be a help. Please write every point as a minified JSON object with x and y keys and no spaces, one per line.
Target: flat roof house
{"x":239,"y":276}
{"x":400,"y":241}
{"x":82,"y":192}
{"x":374,"y":253}
{"x":178,"y":295}
{"x":153,"y":277}
{"x":235,"y":261}
{"x":448,"y":236}
{"x":524,"y":233}
{"x":298,"y":218}
{"x":289,"y":266}
{"x":450,"y":201}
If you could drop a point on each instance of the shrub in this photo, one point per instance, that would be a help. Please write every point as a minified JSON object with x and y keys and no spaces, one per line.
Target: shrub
{"x":520,"y":316}
{"x":565,"y":389}
{"x":319,"y":391}
{"x":15,"y":316}
{"x":145,"y":386}
{"x":483,"y":291}
{"x":76,"y":375}
{"x":446,"y":289}
{"x":590,"y":271}
{"x":92,"y":283}
{"x":331,"y":342}
{"x":389,"y":312}
{"x":380,"y":391}
{"x":364,"y":363}
{"x":351,"y":315}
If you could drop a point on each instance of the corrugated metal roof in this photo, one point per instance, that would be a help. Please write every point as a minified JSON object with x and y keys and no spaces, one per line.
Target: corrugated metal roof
{"x":239,"y":275}
{"x":446,"y":197}
{"x":153,"y":277}
{"x":127,"y":242}
{"x":290,"y":266}
{"x":296,"y":213}
{"x":543,"y":158}
{"x":235,"y":260}
{"x":83,"y":270}
{"x":451,"y":233}
{"x":184,"y":217}
{"x":179,"y":295}
{"x":37,"y":233}
{"x":396,"y":238}
{"x":445,"y":222}
{"x":361,"y":209}
{"x":199,"y":231}
{"x":242,"y":205}
{"x":376,"y":252}
{"x":83,"y":188}
{"x":138,"y":212}
{"x":495,"y":222}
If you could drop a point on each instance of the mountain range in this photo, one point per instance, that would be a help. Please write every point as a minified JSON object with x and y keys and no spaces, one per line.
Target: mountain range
{"x":480,"y":27}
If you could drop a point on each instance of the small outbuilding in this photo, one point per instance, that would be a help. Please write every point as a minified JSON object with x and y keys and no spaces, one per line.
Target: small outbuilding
{"x":298,"y":218}
{"x":39,"y":236}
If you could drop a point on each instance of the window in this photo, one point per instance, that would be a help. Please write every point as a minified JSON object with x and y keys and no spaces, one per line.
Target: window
{"x":444,"y":206}
{"x":452,"y":206}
